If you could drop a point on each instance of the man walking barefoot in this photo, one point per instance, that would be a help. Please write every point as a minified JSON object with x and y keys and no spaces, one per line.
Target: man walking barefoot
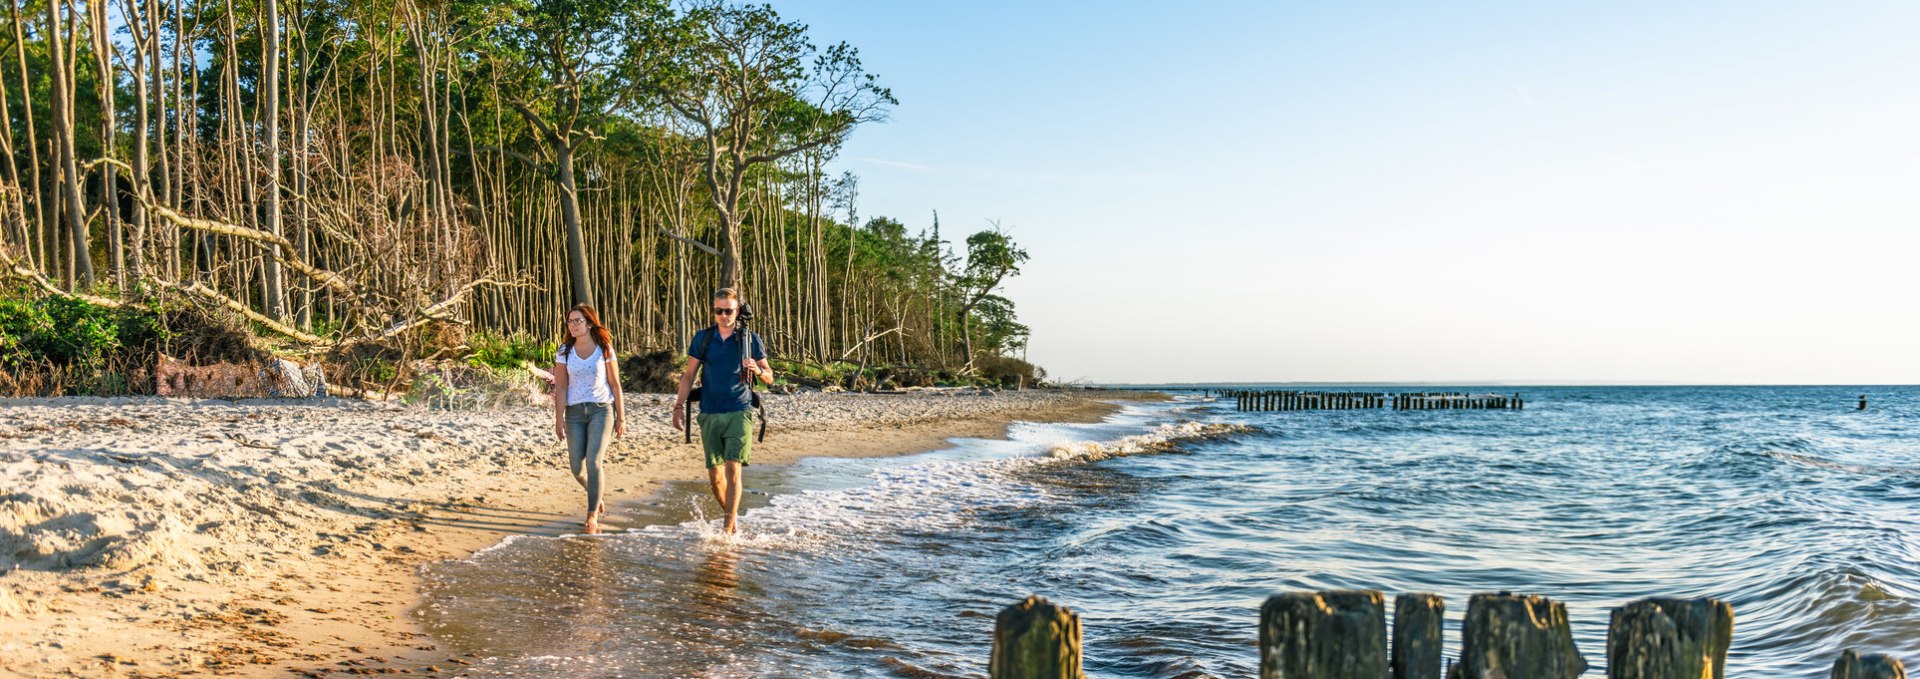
{"x":725,"y":358}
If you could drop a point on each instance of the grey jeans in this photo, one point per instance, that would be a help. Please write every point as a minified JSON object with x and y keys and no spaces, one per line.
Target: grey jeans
{"x":589,"y":429}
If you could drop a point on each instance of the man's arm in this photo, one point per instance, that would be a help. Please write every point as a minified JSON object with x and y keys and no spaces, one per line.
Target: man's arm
{"x":686,"y":385}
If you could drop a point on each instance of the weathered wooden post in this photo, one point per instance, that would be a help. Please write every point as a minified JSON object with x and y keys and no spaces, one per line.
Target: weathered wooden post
{"x":1417,"y":620}
{"x":1511,"y":636}
{"x":1666,"y":638}
{"x":1034,"y":639}
{"x":1324,"y":635}
{"x":1852,"y":665}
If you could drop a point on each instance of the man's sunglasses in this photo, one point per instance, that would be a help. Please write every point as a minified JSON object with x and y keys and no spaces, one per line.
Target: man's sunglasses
{"x":723,"y":312}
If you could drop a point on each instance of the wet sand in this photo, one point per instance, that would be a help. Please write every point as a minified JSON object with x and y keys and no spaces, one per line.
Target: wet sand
{"x":162,"y":537}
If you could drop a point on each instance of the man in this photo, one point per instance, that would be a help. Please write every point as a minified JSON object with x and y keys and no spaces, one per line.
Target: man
{"x":724,"y":357}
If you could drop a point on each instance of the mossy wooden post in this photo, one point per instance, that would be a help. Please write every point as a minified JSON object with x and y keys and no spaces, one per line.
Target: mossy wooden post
{"x":1417,"y":620}
{"x":1034,"y":639}
{"x":1852,"y":665}
{"x":1324,"y":635}
{"x":1512,"y":636}
{"x":1663,"y":638}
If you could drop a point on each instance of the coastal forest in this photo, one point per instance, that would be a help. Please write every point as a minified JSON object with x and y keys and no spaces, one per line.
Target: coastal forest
{"x":376,"y":183}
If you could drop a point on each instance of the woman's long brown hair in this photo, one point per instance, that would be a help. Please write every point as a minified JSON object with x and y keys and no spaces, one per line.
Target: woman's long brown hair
{"x":600,"y":335}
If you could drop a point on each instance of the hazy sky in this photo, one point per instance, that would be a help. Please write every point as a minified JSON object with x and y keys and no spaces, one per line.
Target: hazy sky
{"x":1699,"y":192}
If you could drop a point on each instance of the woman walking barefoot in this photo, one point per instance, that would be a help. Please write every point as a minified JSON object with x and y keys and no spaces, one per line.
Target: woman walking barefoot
{"x":587,"y":404}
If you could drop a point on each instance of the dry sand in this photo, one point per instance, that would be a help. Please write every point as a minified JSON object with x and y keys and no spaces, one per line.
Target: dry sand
{"x":162,"y":537}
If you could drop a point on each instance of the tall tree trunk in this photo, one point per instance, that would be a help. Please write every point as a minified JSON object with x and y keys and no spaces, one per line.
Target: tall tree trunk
{"x":276,"y":306}
{"x":102,"y":33}
{"x":64,"y":133}
{"x":140,"y":24}
{"x":581,"y":287}
{"x":16,"y":202}
{"x":303,"y":311}
{"x":40,"y":199}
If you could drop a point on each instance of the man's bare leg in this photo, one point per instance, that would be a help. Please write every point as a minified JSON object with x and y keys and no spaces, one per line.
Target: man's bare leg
{"x":734,"y":486}
{"x":716,"y":476}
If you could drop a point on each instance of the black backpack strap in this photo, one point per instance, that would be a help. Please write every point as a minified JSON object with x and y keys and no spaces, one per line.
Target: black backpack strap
{"x":761,"y":435}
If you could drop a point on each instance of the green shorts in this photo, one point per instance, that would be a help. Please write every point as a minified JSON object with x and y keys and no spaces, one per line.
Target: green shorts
{"x":728,"y":437}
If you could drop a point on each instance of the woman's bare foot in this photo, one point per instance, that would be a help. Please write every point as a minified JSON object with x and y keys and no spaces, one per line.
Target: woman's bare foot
{"x":593,"y":523}
{"x":602,"y":509}
{"x":732,"y":526}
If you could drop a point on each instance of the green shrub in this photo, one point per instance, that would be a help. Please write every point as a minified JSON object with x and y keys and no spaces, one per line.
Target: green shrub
{"x":379,"y":370}
{"x":508,"y":352}
{"x":68,"y":332}
{"x":1007,"y":371}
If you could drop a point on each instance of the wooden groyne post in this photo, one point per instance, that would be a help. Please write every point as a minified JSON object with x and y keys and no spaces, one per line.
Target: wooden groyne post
{"x":1418,"y":620}
{"x":1508,"y":635}
{"x":1035,"y":639}
{"x":1324,"y":635}
{"x":1269,"y":400}
{"x":1653,"y":638}
{"x":1853,"y":665}
{"x":1344,"y":634}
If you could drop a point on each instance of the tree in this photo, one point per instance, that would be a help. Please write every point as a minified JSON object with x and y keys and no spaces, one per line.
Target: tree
{"x":63,"y":93}
{"x":573,"y":59}
{"x":740,"y":77}
{"x":992,"y":258}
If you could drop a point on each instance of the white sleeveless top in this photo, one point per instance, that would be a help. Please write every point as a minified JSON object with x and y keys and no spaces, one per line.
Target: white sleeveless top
{"x":586,"y":377}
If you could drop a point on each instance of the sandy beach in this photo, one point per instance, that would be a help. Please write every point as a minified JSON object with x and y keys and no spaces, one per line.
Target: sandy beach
{"x":157,"y":537}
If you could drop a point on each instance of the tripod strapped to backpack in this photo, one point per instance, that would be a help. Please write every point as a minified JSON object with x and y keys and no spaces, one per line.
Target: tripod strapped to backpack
{"x":746,"y":349}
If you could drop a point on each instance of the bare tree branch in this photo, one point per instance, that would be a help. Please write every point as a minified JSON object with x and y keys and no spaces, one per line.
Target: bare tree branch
{"x":711,"y":250}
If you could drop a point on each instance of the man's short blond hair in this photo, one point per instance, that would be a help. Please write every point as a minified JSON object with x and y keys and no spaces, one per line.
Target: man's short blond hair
{"x":727,"y":293}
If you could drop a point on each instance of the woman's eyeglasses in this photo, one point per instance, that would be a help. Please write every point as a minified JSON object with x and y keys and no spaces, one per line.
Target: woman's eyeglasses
{"x":576,"y":321}
{"x":723,"y":312}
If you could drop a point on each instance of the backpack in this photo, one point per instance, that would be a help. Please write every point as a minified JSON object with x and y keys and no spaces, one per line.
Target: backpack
{"x":694,"y":394}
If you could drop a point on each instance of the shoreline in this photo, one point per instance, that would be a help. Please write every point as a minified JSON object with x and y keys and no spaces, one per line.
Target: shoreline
{"x":258,"y":538}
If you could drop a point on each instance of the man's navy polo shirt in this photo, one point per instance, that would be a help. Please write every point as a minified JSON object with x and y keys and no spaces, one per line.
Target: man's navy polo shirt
{"x":720,"y":359}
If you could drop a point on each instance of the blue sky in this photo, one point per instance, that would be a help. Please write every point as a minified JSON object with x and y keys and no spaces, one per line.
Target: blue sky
{"x":1632,"y":191}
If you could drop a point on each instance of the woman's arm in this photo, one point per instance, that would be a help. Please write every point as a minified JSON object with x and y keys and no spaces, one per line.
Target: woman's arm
{"x":560,"y":378}
{"x":619,"y":400}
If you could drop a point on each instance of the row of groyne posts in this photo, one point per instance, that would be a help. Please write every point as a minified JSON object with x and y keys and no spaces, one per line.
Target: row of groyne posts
{"x":1268,"y":400}
{"x":1344,"y":635}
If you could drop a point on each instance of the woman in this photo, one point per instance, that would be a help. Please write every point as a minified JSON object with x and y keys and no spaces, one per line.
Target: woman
{"x":587,"y":403}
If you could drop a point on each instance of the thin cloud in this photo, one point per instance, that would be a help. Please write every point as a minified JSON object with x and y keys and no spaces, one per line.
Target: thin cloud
{"x":1527,"y":100}
{"x":1603,"y":155}
{"x":916,"y":167}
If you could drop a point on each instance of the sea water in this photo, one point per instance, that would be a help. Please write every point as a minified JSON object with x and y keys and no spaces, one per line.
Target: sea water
{"x":1167,"y":525}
